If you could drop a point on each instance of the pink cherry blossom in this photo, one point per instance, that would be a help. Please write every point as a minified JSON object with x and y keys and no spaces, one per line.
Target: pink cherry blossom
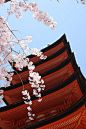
{"x":9,"y":12}
{"x":14,"y":4}
{"x":31,"y":118}
{"x":35,"y":92}
{"x":31,"y":67}
{"x":25,"y":7}
{"x":11,"y":44}
{"x":39,"y":89}
{"x":38,"y":15}
{"x":21,"y":4}
{"x":15,"y":40}
{"x":28,"y":96}
{"x":30,"y":102}
{"x":29,"y":108}
{"x":19,"y":15}
{"x":15,"y":11}
{"x":24,"y":92}
{"x":29,"y":114}
{"x":39,"y":100}
{"x":28,"y":39}
{"x":27,"y":50}
{"x":33,"y":115}
{"x":39,"y":95}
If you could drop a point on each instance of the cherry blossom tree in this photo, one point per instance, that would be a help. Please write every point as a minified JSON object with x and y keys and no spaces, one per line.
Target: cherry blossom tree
{"x":8,"y":53}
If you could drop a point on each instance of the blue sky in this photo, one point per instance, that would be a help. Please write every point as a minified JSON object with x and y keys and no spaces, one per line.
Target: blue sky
{"x":71,"y":20}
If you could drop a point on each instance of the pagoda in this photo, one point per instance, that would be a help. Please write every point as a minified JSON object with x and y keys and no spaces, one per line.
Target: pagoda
{"x":63,"y":104}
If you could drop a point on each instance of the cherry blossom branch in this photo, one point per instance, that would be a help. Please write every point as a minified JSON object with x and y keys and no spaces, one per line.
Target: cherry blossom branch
{"x":18,"y":31}
{"x":14,"y":36}
{"x":14,"y":51}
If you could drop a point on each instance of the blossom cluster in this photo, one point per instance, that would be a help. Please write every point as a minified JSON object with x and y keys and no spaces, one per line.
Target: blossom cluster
{"x":18,"y":7}
{"x":20,"y":61}
{"x":22,"y":44}
{"x":6,"y":76}
{"x":37,"y":84}
{"x":39,"y":16}
{"x":27,"y":100}
{"x":35,"y":51}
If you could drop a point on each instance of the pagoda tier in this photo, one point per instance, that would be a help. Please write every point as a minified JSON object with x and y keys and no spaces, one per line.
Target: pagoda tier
{"x":53,"y":77}
{"x":51,"y":52}
{"x":53,"y":107}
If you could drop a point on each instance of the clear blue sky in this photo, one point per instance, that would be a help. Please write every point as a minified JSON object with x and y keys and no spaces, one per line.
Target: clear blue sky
{"x":71,"y":20}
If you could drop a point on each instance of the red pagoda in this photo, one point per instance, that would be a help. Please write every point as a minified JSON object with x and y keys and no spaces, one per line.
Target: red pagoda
{"x":63,"y":104}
